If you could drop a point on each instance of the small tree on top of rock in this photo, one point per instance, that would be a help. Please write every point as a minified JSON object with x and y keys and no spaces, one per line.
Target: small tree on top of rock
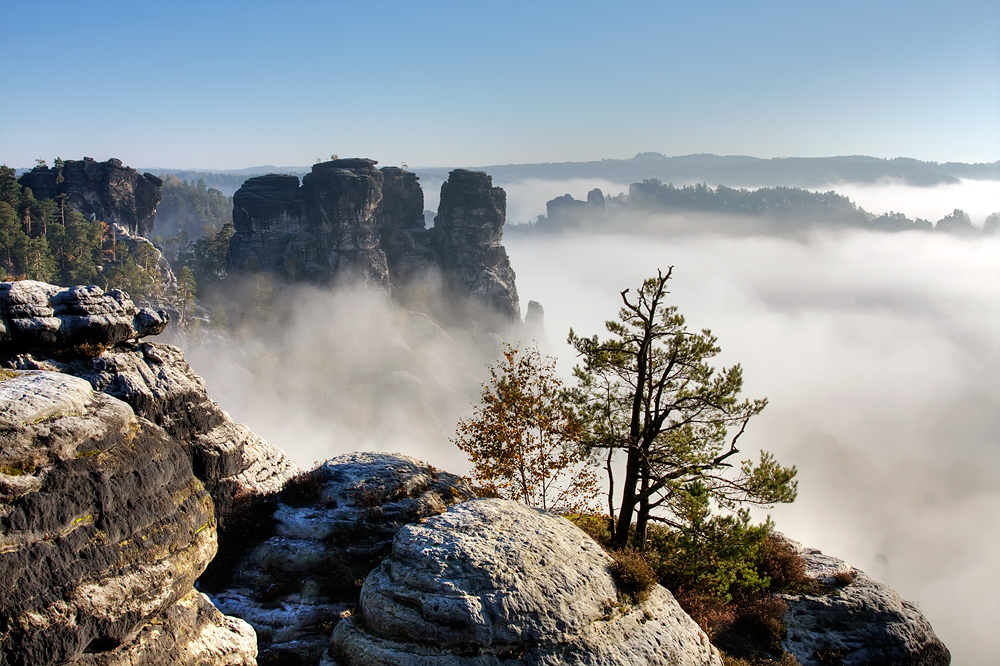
{"x":649,"y":392}
{"x":524,"y":438}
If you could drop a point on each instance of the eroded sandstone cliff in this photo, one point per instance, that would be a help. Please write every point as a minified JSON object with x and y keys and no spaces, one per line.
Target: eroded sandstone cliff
{"x":109,"y":191}
{"x":350,"y":222}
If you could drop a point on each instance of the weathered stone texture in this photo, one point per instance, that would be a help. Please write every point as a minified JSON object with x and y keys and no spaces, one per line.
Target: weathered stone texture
{"x":102,"y":523}
{"x":858,"y":622}
{"x":157,"y":382}
{"x":37,"y":315}
{"x":493,"y":581}
{"x":306,"y":554}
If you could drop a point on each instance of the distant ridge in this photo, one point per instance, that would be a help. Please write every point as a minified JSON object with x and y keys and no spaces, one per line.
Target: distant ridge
{"x":730,"y":170}
{"x":746,"y":171}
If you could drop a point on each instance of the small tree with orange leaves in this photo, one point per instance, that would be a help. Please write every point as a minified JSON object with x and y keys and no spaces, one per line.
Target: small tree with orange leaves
{"x":523,"y":439}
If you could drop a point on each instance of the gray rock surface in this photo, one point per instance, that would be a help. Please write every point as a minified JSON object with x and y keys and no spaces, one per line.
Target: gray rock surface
{"x":324,"y":232}
{"x":103,"y":525}
{"x":191,"y":632}
{"x":350,"y":222}
{"x":37,"y":315}
{"x":306,"y":554}
{"x":467,"y":237}
{"x":108,"y":191}
{"x":232,"y":462}
{"x":492,"y":582}
{"x":859,"y":621}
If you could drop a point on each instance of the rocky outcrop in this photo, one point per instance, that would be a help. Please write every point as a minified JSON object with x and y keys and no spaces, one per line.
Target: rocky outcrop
{"x":467,"y":235}
{"x":322,"y":232}
{"x":103,"y":530}
{"x":493,"y":582}
{"x":36,"y":315}
{"x":84,"y":332}
{"x":304,"y":555}
{"x":858,"y":621}
{"x":232,"y":462}
{"x":349,"y":222}
{"x":401,"y":228}
{"x":107,"y":191}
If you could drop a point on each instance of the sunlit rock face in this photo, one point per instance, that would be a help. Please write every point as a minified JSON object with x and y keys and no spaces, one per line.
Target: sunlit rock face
{"x":296,"y":562}
{"x":351,"y":223}
{"x":858,"y":621}
{"x":107,"y":191}
{"x":103,"y":530}
{"x":493,"y":581}
{"x":40,"y":316}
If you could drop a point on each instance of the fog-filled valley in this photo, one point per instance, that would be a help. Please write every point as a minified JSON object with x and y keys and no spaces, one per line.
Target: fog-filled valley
{"x":878,"y":353}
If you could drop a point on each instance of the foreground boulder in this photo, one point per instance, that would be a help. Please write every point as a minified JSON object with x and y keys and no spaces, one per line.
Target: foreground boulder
{"x":232,"y":462}
{"x":36,"y":315}
{"x":103,"y":531}
{"x":491,"y":582}
{"x":858,"y":621}
{"x":295,"y":564}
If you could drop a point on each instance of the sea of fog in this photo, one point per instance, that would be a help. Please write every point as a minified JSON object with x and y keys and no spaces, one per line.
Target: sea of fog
{"x":879,"y":354}
{"x":979,"y":198}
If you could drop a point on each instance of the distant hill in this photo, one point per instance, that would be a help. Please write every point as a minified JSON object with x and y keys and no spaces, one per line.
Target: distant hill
{"x":742,"y":171}
{"x":732,"y":170}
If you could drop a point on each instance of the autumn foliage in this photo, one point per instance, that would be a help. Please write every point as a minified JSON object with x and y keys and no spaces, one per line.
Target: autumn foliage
{"x":523,"y":439}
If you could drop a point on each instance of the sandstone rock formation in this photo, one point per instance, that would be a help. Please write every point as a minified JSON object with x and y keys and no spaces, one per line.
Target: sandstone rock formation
{"x":349,"y":222}
{"x":232,"y":462}
{"x":467,"y":235}
{"x":566,"y":209}
{"x":492,"y":582}
{"x":323,"y":231}
{"x":314,"y":544}
{"x":859,"y":621}
{"x":36,"y":315}
{"x":103,"y":530}
{"x":85,"y":332}
{"x":110,"y":192}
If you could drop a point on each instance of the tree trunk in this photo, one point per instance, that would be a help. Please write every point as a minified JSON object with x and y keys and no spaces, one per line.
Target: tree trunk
{"x":620,"y":539}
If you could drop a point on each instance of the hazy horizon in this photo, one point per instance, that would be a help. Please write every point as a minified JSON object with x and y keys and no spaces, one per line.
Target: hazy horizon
{"x":230,"y":84}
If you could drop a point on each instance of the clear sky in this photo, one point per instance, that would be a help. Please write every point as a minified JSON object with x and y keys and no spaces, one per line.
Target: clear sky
{"x":235,"y":84}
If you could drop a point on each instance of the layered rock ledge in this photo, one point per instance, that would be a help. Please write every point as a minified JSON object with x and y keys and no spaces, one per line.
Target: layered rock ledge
{"x":103,"y":528}
{"x":491,"y":582}
{"x":36,"y":315}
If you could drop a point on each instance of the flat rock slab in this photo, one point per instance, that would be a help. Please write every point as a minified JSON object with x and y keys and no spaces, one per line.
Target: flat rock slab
{"x":493,"y":581}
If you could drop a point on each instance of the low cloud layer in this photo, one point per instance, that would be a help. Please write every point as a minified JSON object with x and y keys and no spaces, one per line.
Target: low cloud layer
{"x":879,"y":354}
{"x":978,"y":198}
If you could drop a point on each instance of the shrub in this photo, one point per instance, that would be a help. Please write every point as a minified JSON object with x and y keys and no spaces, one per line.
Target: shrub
{"x":597,"y":528}
{"x":633,"y":576}
{"x":717,"y":557}
{"x":305,"y":488}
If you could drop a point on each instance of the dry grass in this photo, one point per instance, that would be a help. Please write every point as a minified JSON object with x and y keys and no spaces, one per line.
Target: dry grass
{"x":634,"y":578}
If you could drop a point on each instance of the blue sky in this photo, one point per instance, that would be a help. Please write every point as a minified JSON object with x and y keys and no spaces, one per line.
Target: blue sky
{"x":235,"y":84}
